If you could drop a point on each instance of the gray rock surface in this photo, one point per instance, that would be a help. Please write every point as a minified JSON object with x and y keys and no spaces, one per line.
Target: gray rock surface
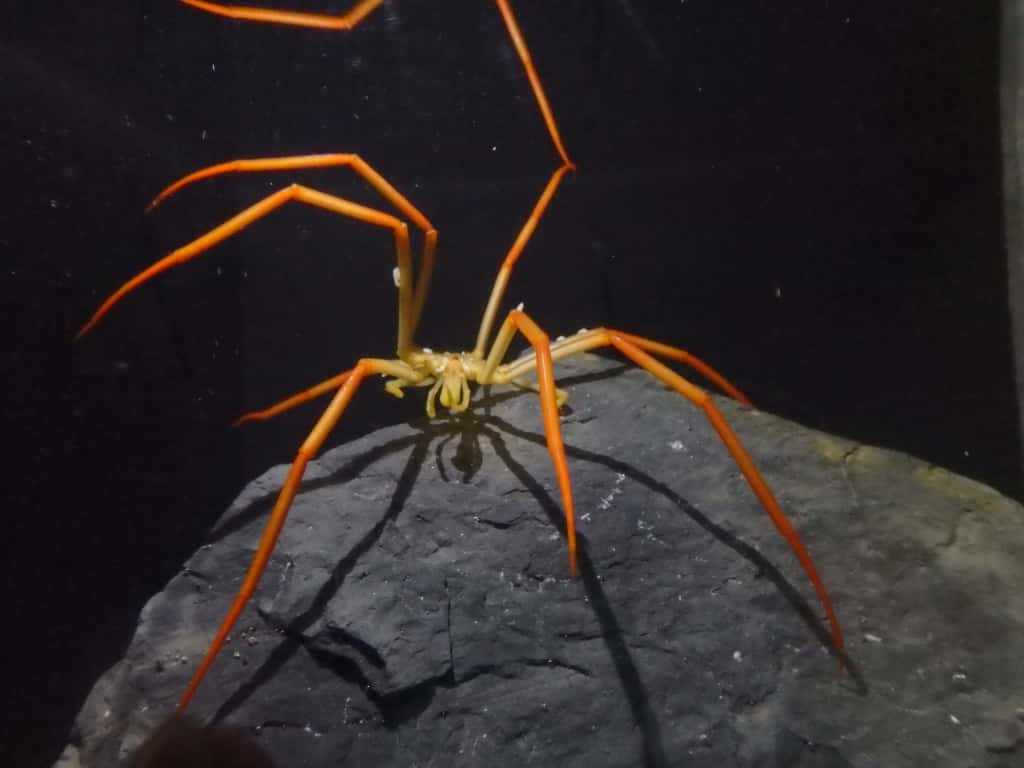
{"x":418,"y":612}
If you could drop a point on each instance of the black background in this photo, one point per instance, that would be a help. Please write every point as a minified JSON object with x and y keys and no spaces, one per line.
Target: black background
{"x":805,"y":194}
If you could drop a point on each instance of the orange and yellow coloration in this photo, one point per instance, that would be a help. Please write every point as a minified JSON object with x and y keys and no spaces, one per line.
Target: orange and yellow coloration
{"x":447,"y":374}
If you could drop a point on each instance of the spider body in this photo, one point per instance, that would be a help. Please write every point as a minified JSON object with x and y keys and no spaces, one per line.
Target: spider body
{"x":448,"y":375}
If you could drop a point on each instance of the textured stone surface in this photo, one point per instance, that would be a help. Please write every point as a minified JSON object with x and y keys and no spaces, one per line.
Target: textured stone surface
{"x":417,"y":609}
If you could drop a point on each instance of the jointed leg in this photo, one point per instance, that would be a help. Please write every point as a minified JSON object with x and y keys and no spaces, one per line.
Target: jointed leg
{"x":347,"y":20}
{"x":531,"y":73}
{"x":505,"y":272}
{"x":307,"y":450}
{"x":261,"y":209}
{"x":403,"y":375}
{"x":701,"y":398}
{"x":598,"y":337}
{"x":329,"y":160}
{"x":302,"y":397}
{"x":633,"y":348}
{"x":364,"y":8}
{"x":517,"y":320}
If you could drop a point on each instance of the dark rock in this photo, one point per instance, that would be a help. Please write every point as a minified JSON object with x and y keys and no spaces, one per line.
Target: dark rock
{"x":418,"y":611}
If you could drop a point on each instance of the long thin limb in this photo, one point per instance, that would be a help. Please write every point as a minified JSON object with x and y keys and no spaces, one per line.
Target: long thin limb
{"x":368,"y":174}
{"x":501,"y":282}
{"x":364,"y":8}
{"x":531,"y":73}
{"x":598,"y":337}
{"x":307,"y":450}
{"x":395,"y":368}
{"x":293,"y":18}
{"x":505,"y":272}
{"x":328,"y":385}
{"x":348,"y":21}
{"x":633,"y":348}
{"x":701,"y":398}
{"x":518,"y":320}
{"x":262,"y":208}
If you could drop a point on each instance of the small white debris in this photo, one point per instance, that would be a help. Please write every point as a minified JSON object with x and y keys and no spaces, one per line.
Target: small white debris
{"x":606,"y":502}
{"x":428,"y":351}
{"x":520,"y":307}
{"x":676,"y":445}
{"x":872,"y":638}
{"x":954,"y":719}
{"x":396,"y":275}
{"x":737,"y":656}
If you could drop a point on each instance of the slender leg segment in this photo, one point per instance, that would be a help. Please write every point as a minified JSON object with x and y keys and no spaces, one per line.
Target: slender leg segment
{"x":328,"y":385}
{"x":259,"y":210}
{"x":402,"y":372}
{"x":518,"y":320}
{"x":597,"y":337}
{"x":296,"y":162}
{"x":505,"y":272}
{"x":329,"y":160}
{"x":364,"y":8}
{"x":292,"y":18}
{"x":633,"y":347}
{"x":699,"y":397}
{"x":307,"y":450}
{"x":410,"y":302}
